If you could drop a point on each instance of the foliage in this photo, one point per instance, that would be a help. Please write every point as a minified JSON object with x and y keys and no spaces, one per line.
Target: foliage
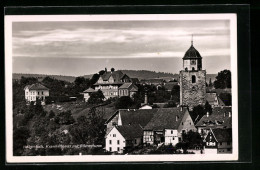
{"x":226,"y":98}
{"x":223,"y":80}
{"x":170,"y":104}
{"x":65,"y":118}
{"x":94,"y":79}
{"x":124,"y":102}
{"x":175,"y":93}
{"x":96,"y":97}
{"x":208,"y":107}
{"x":20,"y":136}
{"x":199,"y":111}
{"x":190,"y":140}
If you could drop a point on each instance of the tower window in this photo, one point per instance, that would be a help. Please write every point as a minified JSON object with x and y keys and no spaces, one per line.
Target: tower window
{"x":193,"y":78}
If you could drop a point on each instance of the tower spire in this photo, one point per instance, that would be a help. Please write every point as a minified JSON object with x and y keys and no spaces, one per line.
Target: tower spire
{"x":191,"y":39}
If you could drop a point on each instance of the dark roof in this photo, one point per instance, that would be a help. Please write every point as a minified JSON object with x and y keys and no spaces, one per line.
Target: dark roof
{"x":211,"y":97}
{"x":89,"y":90}
{"x":130,"y":131}
{"x":117,"y":75}
{"x":222,"y":135}
{"x":166,"y":119}
{"x":36,"y":86}
{"x":217,"y":118}
{"x":192,"y":53}
{"x":125,"y":86}
{"x":139,"y":117}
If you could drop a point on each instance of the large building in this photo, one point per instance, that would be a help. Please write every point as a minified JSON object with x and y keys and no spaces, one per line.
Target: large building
{"x":109,"y":83}
{"x":192,"y":79}
{"x":35,"y":91}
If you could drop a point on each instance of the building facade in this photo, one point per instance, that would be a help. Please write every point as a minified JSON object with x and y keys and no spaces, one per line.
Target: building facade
{"x":35,"y":91}
{"x":192,"y":80}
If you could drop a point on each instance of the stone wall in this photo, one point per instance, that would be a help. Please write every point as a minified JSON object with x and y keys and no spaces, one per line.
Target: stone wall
{"x":192,"y":94}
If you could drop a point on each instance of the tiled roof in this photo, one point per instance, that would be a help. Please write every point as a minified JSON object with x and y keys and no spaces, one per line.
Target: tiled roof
{"x":211,"y":97}
{"x":222,"y":135}
{"x":36,"y":86}
{"x":125,"y":86}
{"x":89,"y":90}
{"x":130,"y":132}
{"x":117,"y":75}
{"x":191,"y":53}
{"x":166,"y":118}
{"x":217,"y":118}
{"x":139,"y":117}
{"x":134,"y":80}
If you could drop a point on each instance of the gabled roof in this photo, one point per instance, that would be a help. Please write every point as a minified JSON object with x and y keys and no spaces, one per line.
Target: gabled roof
{"x":192,"y":53}
{"x":222,"y":135}
{"x":217,"y":118}
{"x":165,"y":118}
{"x":130,"y":132}
{"x":89,"y":90}
{"x":211,"y":97}
{"x":117,"y":75}
{"x":36,"y":86}
{"x":125,"y":86}
{"x":139,"y":117}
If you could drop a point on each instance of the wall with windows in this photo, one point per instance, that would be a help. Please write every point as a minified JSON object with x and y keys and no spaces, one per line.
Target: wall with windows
{"x":115,"y":142}
{"x":32,"y":95}
{"x":148,"y":137}
{"x":171,"y":137}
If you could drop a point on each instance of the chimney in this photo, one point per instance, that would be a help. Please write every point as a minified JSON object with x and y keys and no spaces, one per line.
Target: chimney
{"x":207,"y":114}
{"x":229,"y":114}
{"x":145,"y":99}
{"x":106,"y":70}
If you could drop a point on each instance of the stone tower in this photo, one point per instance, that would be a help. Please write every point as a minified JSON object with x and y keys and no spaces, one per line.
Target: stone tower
{"x":192,"y":79}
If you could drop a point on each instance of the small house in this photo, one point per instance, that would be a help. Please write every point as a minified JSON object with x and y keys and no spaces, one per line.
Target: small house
{"x":36,"y":91}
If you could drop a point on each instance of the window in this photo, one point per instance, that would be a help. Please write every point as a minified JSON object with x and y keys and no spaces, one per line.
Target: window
{"x":193,"y":79}
{"x":110,"y":141}
{"x":181,"y":123}
{"x":42,"y":92}
{"x":118,"y":149}
{"x":118,"y":142}
{"x":114,"y":135}
{"x":193,"y":69}
{"x":220,"y":143}
{"x":172,"y":138}
{"x":110,"y":149}
{"x":193,"y":62}
{"x":228,"y":149}
{"x":171,"y":132}
{"x":38,"y":93}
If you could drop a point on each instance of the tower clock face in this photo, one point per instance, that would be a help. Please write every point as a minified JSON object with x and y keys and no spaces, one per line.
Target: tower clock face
{"x":193,"y":62}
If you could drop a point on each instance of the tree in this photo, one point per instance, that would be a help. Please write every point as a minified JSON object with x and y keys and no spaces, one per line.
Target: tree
{"x":65,"y":118}
{"x":223,"y":80}
{"x":226,"y":98}
{"x":101,"y":72}
{"x":175,"y":93}
{"x":112,"y":69}
{"x":96,"y":97}
{"x":208,"y":107}
{"x":210,"y":83}
{"x":94,"y":79}
{"x":197,"y":112}
{"x":20,"y":136}
{"x":124,"y":102}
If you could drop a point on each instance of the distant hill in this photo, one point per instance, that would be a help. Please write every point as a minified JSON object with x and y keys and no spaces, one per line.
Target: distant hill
{"x":140,"y":74}
{"x":42,"y":76}
{"x":145,"y":74}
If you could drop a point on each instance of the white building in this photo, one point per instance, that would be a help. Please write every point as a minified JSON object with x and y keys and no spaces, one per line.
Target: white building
{"x":87,"y":93}
{"x":120,"y":138}
{"x":34,"y":91}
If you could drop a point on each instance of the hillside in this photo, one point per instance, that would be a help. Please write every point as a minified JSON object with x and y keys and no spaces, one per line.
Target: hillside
{"x":145,"y":74}
{"x":42,"y":76}
{"x":140,"y":74}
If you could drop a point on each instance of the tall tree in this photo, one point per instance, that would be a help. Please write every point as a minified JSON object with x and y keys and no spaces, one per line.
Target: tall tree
{"x":223,"y":80}
{"x":96,"y":97}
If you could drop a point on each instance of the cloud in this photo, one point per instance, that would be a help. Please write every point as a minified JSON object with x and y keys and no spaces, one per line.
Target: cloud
{"x":122,"y":40}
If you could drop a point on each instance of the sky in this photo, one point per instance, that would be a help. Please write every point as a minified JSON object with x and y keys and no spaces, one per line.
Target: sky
{"x":85,"y":47}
